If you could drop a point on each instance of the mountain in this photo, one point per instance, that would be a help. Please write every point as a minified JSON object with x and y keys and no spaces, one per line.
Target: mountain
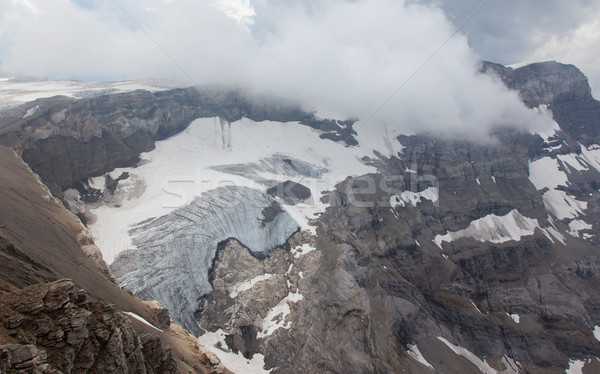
{"x":292,"y":243}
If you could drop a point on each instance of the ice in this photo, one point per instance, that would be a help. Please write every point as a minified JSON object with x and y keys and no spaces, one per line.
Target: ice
{"x":141,"y":320}
{"x":244,"y":286}
{"x":235,"y":362}
{"x":494,"y":229}
{"x":482,"y":365}
{"x":413,"y":351}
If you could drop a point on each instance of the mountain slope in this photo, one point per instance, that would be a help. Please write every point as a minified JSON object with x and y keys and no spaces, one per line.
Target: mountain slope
{"x":415,"y":253}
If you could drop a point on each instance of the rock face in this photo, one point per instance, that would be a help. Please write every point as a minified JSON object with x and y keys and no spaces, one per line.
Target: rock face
{"x":53,"y":328}
{"x":174,"y":257}
{"x":466,"y":257}
{"x":563,"y":88}
{"x":381,"y":285}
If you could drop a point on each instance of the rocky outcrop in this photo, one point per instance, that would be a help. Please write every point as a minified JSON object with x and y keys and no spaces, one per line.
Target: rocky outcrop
{"x":54,"y":328}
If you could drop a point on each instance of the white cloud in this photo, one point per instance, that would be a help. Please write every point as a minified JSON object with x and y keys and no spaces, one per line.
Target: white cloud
{"x":578,"y":47}
{"x":339,"y":57}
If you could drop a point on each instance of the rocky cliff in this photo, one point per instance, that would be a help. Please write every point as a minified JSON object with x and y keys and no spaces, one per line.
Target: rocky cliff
{"x":48,"y":324}
{"x":488,"y":274}
{"x":54,"y":328}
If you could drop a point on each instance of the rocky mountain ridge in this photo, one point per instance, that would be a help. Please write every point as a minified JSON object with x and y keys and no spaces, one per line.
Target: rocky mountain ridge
{"x":467,"y":257}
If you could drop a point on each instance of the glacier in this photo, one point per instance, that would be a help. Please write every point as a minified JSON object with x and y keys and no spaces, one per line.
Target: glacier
{"x":175,"y":252}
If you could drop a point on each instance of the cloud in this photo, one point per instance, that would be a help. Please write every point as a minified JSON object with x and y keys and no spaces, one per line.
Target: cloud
{"x":342,"y":58}
{"x":532,"y":30}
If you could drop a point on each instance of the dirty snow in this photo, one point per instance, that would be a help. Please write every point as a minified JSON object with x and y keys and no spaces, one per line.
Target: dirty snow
{"x":244,"y":286}
{"x":236,"y":362}
{"x":413,"y":351}
{"x":482,"y":365}
{"x":302,"y":250}
{"x":414,"y":198}
{"x":276,"y":316}
{"x":141,"y":319}
{"x":31,"y":111}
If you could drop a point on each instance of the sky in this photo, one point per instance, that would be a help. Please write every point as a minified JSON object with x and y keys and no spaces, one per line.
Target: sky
{"x":398,"y":62}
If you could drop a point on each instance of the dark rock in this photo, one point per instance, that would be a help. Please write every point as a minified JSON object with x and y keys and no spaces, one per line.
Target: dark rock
{"x":291,"y":192}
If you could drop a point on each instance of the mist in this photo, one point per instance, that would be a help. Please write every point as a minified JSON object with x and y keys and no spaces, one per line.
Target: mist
{"x":383,"y":61}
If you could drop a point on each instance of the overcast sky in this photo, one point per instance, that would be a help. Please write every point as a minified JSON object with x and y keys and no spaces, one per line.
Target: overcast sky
{"x":343,"y":58}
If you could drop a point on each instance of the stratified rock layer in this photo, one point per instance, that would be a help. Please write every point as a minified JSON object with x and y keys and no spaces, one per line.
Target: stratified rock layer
{"x":53,"y":328}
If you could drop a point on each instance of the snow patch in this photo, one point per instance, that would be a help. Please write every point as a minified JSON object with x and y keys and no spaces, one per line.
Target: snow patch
{"x":302,"y":250}
{"x":482,"y":365}
{"x":578,"y":225}
{"x":573,"y":161}
{"x":493,"y":179}
{"x":562,"y":205}
{"x":31,"y":111}
{"x":515,"y":317}
{"x":244,"y":286}
{"x":545,"y":173}
{"x":414,"y":198}
{"x":236,"y":362}
{"x":276,"y":316}
{"x":494,"y":229}
{"x":597,"y":332}
{"x":575,"y":367}
{"x":478,"y":181}
{"x":141,"y":319}
{"x":591,"y":155}
{"x":413,"y":351}
{"x":475,"y":306}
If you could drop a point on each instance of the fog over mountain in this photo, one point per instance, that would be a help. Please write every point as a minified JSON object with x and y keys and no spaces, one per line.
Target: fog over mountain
{"x":343,"y":59}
